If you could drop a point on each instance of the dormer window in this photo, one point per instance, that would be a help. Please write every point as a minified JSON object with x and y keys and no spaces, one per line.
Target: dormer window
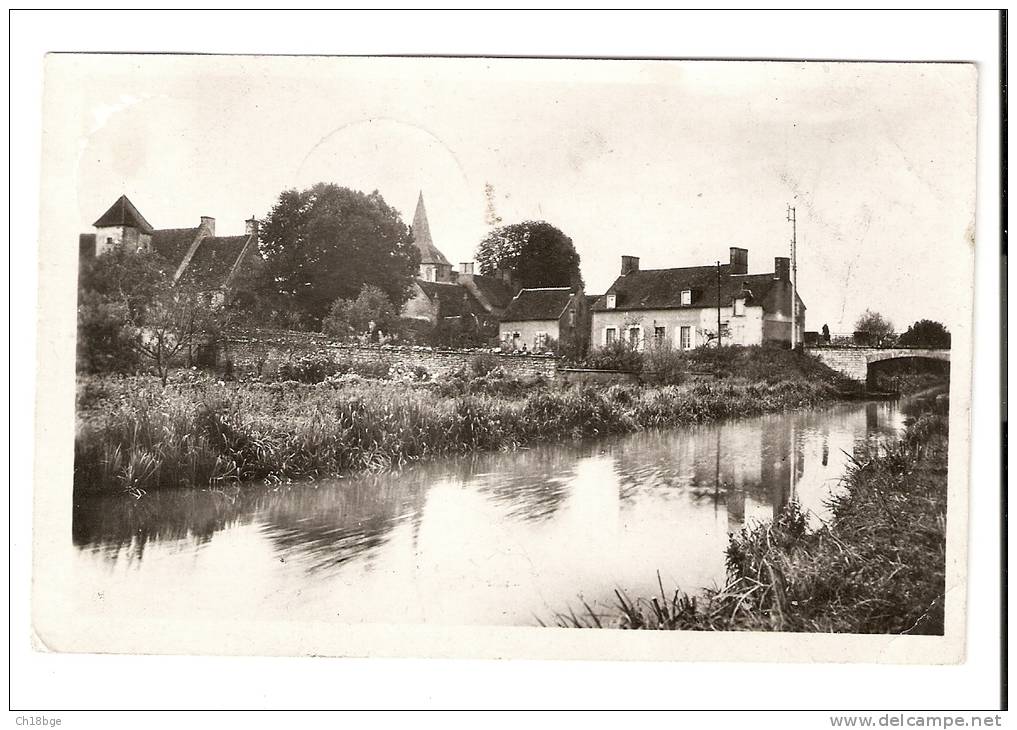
{"x":686,"y":297}
{"x":612,"y":301}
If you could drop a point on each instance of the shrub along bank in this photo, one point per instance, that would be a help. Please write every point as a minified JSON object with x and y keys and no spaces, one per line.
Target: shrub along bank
{"x":134,"y":435}
{"x":668,"y":366}
{"x":878,"y":567}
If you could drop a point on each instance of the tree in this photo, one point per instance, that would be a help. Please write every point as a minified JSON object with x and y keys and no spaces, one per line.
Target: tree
{"x":174,"y":321}
{"x":114,"y":291}
{"x":129,"y":278}
{"x":129,"y":312}
{"x":874,"y":329}
{"x":371,"y":312}
{"x":104,"y":344}
{"x":926,"y":333}
{"x":535,"y":253}
{"x":326,"y":242}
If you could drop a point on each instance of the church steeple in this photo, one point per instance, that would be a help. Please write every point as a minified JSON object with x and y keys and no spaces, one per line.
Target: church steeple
{"x":433,"y":264}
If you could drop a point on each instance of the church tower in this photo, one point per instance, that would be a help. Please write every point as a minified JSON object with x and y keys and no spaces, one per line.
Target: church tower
{"x":433,"y":264}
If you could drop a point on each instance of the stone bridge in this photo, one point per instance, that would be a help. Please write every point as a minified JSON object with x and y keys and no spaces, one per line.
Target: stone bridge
{"x":854,"y":361}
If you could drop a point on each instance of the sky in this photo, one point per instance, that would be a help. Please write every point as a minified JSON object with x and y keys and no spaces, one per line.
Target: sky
{"x":673,"y":162}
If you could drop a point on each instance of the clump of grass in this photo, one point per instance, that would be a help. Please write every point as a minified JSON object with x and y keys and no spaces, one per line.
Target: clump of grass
{"x":878,"y":567}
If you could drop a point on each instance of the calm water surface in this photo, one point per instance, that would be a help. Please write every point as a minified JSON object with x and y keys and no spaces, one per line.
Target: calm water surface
{"x":488,"y":539}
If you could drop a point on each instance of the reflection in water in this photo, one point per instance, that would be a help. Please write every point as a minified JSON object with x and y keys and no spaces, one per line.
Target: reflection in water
{"x":484,"y":539}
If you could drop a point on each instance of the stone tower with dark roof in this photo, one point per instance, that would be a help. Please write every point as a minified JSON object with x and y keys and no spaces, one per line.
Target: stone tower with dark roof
{"x":433,"y":264}
{"x":122,"y":226}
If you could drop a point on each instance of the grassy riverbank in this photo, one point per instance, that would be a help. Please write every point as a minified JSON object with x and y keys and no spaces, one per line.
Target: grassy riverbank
{"x":878,"y":567}
{"x":134,"y":435}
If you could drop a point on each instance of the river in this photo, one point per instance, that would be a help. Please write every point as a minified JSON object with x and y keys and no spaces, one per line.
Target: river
{"x":501,"y":538}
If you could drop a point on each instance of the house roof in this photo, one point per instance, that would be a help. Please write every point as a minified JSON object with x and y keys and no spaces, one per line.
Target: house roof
{"x":492,"y":293}
{"x":449,"y":296}
{"x":123,"y":213}
{"x":538,"y":304}
{"x":173,"y":243}
{"x":212,"y":263}
{"x":662,"y":288}
{"x":429,"y":253}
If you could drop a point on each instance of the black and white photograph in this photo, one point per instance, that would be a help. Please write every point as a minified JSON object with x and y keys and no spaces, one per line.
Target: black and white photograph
{"x":507,"y":357}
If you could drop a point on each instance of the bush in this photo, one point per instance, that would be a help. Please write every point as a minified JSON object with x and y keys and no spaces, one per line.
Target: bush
{"x":926,"y":333}
{"x":374,"y":370}
{"x":415,"y":331}
{"x":481,"y":365}
{"x":371,"y":313}
{"x":616,"y":356}
{"x":492,"y":382}
{"x":105,"y":343}
{"x":311,"y":369}
{"x":318,"y":368}
{"x":669,"y":365}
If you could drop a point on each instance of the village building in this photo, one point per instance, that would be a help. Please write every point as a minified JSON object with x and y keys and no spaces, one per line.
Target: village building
{"x":538,"y":320}
{"x":681,"y":306}
{"x":461,"y":300}
{"x":198,"y":258}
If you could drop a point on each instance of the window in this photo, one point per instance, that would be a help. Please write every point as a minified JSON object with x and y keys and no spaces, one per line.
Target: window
{"x":610,"y":335}
{"x":686,"y":338}
{"x":634,"y":337}
{"x":658,"y":335}
{"x":686,"y":297}
{"x":109,"y":240}
{"x":739,"y":307}
{"x":539,"y":340}
{"x":612,"y":300}
{"x":572,"y":318}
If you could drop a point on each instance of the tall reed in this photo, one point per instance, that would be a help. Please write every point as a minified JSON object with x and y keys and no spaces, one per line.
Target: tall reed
{"x":134,"y":435}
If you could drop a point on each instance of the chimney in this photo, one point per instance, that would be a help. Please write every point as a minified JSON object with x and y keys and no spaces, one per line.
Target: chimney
{"x":208,"y":224}
{"x":782,"y":268}
{"x":466,"y":268}
{"x":739,"y":260}
{"x":251,"y":226}
{"x":629,"y":264}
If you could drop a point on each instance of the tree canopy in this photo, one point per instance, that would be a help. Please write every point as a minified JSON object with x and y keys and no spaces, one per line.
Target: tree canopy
{"x":129,"y":313}
{"x":535,"y":253}
{"x":874,"y":328}
{"x":370,"y":313}
{"x":326,"y":242}
{"x":926,"y":333}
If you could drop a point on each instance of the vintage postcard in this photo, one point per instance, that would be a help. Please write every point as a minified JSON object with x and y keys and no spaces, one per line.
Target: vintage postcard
{"x":504,"y":358}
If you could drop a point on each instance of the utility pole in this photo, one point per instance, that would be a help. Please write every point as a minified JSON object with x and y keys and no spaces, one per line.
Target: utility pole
{"x":794,"y":275}
{"x":718,"y":305}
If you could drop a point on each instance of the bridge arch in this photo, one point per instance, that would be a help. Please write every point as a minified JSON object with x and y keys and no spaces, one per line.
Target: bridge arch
{"x":856,"y":362}
{"x":883,"y":373}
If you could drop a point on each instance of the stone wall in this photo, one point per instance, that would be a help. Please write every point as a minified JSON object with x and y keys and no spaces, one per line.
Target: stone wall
{"x":261,"y":352}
